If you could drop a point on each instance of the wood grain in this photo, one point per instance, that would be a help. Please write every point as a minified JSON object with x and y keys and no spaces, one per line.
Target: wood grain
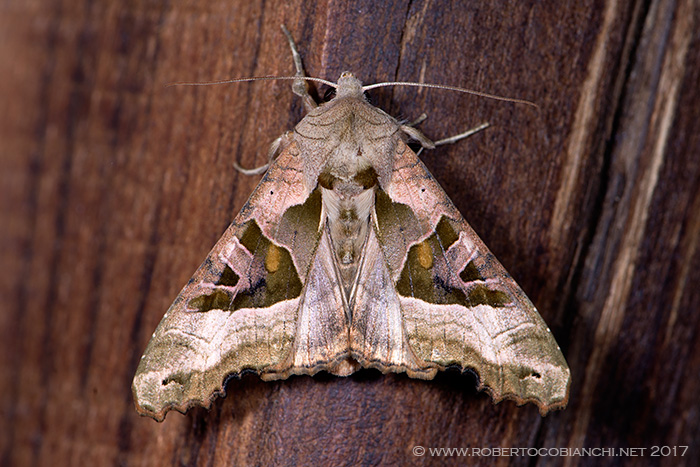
{"x":114,"y":187}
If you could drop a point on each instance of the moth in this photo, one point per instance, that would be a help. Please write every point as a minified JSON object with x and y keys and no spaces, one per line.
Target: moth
{"x":348,"y":255}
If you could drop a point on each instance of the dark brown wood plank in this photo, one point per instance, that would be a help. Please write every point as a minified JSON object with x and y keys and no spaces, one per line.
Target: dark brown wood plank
{"x":113,"y":188}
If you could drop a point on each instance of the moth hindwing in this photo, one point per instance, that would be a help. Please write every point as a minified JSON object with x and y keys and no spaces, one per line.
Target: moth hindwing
{"x":349,"y":254}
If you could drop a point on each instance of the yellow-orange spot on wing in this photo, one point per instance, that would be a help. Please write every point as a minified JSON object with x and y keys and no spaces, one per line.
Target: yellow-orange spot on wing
{"x":425,"y":255}
{"x":272,"y":259}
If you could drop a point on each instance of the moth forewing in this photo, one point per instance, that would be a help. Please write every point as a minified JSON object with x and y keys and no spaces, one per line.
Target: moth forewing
{"x":349,"y":254}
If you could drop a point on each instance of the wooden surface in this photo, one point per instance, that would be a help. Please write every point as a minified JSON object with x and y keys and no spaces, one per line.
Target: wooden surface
{"x":113,"y":188}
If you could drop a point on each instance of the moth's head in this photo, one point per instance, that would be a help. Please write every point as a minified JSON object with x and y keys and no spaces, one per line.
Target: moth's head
{"x":349,"y":86}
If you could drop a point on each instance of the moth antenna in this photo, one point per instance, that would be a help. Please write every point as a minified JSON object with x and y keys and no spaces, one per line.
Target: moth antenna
{"x":451,"y":88}
{"x":257,"y":78}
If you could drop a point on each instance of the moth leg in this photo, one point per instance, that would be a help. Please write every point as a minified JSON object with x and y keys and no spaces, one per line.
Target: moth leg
{"x":419,"y":120}
{"x":466,"y":134}
{"x":272,"y":154}
{"x":418,"y":135}
{"x":300,"y":86}
{"x":426,"y":143}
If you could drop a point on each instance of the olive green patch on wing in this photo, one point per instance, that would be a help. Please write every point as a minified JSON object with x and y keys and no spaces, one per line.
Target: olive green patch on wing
{"x":217,"y":300}
{"x":426,"y":274}
{"x":228,"y":277}
{"x":418,"y":281}
{"x":398,"y":228}
{"x":393,"y":218}
{"x":252,"y":236}
{"x":299,"y":228}
{"x":482,"y":295}
{"x":302,"y":218}
{"x":470,"y":273}
{"x":446,"y":233}
{"x":277,"y":277}
{"x":273,"y":284}
{"x":272,"y":269}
